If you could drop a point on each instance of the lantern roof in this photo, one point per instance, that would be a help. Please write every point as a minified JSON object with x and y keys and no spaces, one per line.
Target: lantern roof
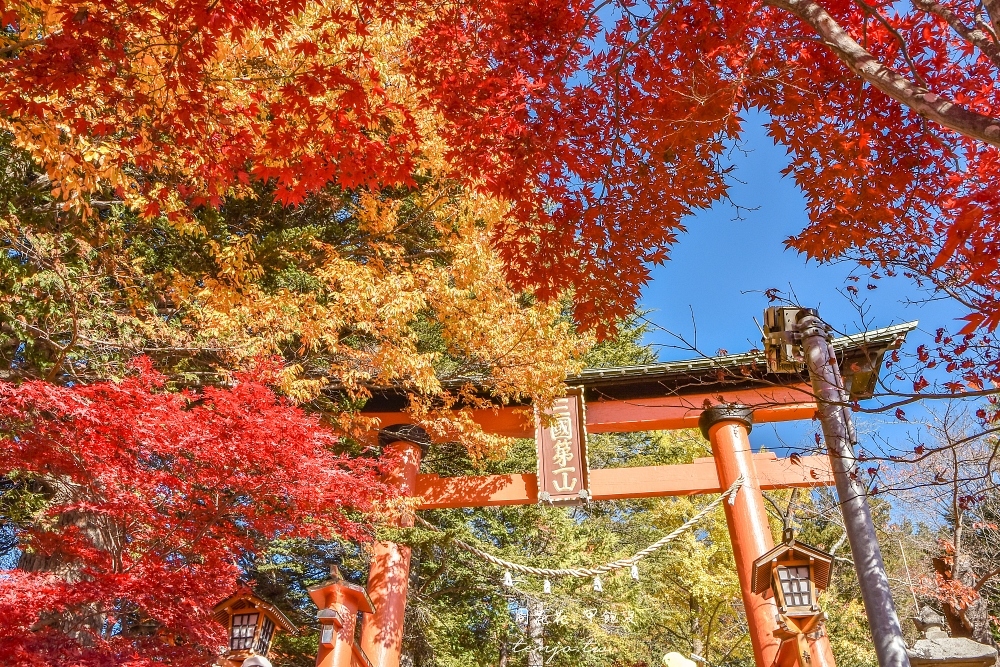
{"x":324,"y":593}
{"x":244,"y":600}
{"x":820,"y":562}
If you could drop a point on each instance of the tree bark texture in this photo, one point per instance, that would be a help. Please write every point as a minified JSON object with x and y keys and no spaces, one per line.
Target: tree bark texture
{"x":102,"y":533}
{"x":971,"y":620}
{"x":924,"y":102}
{"x":536,"y":633}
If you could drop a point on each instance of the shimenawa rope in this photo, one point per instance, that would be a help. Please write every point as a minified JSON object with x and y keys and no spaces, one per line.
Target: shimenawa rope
{"x":619,"y":564}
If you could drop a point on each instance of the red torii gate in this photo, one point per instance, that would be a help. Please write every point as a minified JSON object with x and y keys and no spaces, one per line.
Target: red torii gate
{"x":724,"y":396}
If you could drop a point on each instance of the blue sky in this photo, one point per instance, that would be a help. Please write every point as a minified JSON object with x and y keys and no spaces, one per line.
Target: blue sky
{"x":714,"y":280}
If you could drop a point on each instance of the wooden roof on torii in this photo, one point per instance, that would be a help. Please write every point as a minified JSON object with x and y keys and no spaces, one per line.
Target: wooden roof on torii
{"x":672,"y":395}
{"x":664,"y":396}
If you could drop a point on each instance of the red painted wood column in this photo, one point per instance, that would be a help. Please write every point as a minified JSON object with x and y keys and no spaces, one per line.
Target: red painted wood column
{"x":389,"y":575}
{"x":728,"y":429}
{"x":820,"y":651}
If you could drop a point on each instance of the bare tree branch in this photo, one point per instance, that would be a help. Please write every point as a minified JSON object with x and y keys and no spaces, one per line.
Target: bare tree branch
{"x":877,"y":15}
{"x":921,"y":100}
{"x":986,"y":577}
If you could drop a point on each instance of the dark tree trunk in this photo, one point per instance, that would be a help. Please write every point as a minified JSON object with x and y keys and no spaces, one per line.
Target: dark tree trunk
{"x":972,"y":620}
{"x":102,"y":533}
{"x":536,"y":633}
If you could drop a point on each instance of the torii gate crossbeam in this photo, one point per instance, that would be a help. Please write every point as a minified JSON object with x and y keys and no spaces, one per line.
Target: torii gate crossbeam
{"x":699,"y":477}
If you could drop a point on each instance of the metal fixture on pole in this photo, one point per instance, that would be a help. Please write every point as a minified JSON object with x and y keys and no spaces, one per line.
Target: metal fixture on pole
{"x":797,"y":337}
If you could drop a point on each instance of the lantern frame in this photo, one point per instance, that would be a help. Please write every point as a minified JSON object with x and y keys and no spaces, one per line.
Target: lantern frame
{"x":781,"y":596}
{"x":242,"y":606}
{"x":766,"y":575}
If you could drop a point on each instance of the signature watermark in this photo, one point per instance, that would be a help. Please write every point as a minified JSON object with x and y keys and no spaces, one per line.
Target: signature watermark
{"x":550,"y":653}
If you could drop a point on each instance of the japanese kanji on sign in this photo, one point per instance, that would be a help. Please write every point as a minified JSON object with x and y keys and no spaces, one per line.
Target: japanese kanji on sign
{"x":561,"y":441}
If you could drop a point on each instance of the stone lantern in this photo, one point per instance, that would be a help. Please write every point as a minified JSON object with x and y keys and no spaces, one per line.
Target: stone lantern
{"x":794,"y":573}
{"x":937,"y":649}
{"x":251,"y":623}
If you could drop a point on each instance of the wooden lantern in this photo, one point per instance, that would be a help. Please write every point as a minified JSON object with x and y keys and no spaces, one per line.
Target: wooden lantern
{"x":794,"y":573}
{"x":251,"y":623}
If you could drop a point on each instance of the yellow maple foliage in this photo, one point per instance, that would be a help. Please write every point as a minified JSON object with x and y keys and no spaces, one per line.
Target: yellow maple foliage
{"x":428,"y":311}
{"x":490,"y":336}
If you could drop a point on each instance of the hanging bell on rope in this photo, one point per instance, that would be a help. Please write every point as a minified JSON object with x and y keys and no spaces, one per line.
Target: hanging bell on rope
{"x":598,"y":586}
{"x":508,"y":580}
{"x":634,"y":572}
{"x":546,"y":586}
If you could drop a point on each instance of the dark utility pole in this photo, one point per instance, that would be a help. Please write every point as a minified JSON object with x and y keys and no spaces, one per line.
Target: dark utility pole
{"x":785,"y":330}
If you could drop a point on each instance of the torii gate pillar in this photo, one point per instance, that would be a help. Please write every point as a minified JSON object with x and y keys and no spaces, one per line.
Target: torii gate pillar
{"x":389,"y":575}
{"x":727,"y":427}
